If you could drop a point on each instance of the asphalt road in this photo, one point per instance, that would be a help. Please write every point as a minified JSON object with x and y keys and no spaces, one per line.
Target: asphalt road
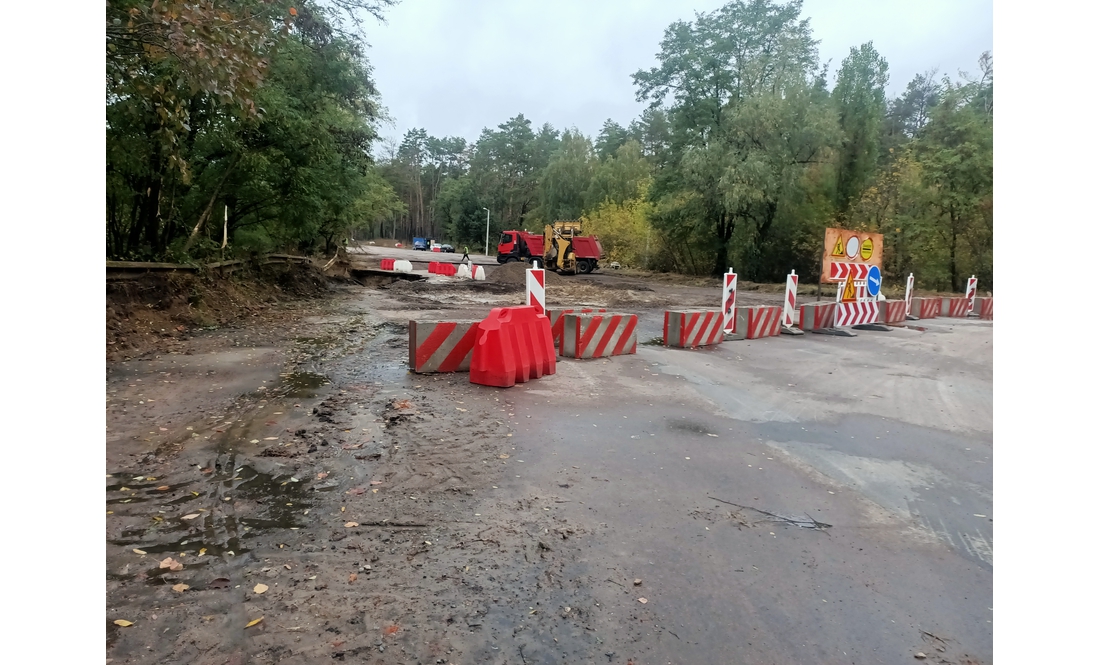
{"x":375,"y":252}
{"x":886,"y":437}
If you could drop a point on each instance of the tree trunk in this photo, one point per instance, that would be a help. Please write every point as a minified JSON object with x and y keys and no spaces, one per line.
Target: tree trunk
{"x":209,"y":207}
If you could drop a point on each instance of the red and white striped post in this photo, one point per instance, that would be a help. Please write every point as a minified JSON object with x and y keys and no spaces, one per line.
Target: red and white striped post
{"x":788,"y":300}
{"x":971,"y":292}
{"x":729,"y":301}
{"x":909,"y":295}
{"x":536,"y":289}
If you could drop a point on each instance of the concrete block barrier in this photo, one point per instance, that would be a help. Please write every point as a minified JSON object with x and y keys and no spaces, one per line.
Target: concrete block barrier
{"x":817,"y":315}
{"x":984,"y":308}
{"x":954,"y":307}
{"x":598,"y":335}
{"x":926,"y":308}
{"x":891,"y":312}
{"x":441,"y":346}
{"x":688,"y":329}
{"x":763,"y":321}
{"x":557,"y":324}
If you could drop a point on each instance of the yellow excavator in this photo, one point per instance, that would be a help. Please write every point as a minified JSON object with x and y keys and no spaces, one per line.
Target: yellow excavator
{"x":567,"y":252}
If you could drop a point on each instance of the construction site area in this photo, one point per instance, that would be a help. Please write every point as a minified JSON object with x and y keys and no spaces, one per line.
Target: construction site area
{"x":284,"y":486}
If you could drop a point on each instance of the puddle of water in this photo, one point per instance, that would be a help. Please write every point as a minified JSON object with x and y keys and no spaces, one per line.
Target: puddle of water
{"x":303,"y":384}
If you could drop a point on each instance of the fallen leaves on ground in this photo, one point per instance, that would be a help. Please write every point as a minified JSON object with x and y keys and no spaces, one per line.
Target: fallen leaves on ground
{"x":163,"y":488}
{"x":356,"y":491}
{"x":322,"y":475}
{"x":353,"y":577}
{"x":123,"y":622}
{"x":390,"y":630}
{"x":643,"y":601}
{"x":190,"y":517}
{"x":171,"y":564}
{"x":259,"y":588}
{"x":180,"y":588}
{"x":402,"y":404}
{"x":349,"y":446}
{"x":137,"y":551}
{"x":253,"y":622}
{"x":504,"y":456}
{"x":351,"y":524}
{"x":376,"y":482}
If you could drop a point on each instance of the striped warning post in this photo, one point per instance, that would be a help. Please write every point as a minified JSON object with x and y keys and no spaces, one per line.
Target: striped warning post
{"x":788,"y":300}
{"x":536,"y":289}
{"x":729,"y":302}
{"x":891,"y":312}
{"x":984,"y":307}
{"x":599,"y":335}
{"x":817,"y":315}
{"x":971,"y":292}
{"x":955,"y":307}
{"x":855,"y":313}
{"x":441,"y":346}
{"x":909,"y":295}
{"x":557,"y":323}
{"x":687,"y":329}
{"x":763,"y":321}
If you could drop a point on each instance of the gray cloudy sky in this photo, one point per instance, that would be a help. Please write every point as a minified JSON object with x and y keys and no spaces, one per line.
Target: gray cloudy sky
{"x":454,"y":67}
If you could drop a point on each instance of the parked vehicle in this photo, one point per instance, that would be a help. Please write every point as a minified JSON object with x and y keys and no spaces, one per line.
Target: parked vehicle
{"x":560,"y":247}
{"x":447,"y":248}
{"x":421,"y":244}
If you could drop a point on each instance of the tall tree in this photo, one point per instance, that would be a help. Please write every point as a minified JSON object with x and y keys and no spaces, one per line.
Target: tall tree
{"x":860,"y":97}
{"x":709,"y":69}
{"x":566,"y":179}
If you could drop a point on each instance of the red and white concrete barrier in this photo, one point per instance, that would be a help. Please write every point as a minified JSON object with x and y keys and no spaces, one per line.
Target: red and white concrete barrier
{"x":557,"y":323}
{"x":955,"y":307}
{"x":763,"y":321}
{"x":926,"y":308}
{"x":687,"y":329}
{"x":891,"y":312}
{"x":441,"y":346}
{"x":817,"y":315}
{"x":984,"y":307}
{"x":599,"y":335}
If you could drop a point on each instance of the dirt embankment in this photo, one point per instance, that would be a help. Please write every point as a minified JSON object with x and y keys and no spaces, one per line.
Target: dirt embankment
{"x":157,"y":311}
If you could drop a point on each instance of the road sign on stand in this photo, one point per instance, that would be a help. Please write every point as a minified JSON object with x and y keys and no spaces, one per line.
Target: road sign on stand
{"x":729,"y":302}
{"x":874,"y":281}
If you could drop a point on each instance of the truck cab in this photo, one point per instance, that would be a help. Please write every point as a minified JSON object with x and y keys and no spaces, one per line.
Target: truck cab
{"x":518,"y":246}
{"x":420,"y":244}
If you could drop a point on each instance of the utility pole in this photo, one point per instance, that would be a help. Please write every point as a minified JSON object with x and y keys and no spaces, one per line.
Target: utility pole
{"x":486,"y":231}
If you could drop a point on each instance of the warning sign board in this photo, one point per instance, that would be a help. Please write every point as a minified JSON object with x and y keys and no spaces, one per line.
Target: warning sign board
{"x":851,"y":247}
{"x":849,"y":294}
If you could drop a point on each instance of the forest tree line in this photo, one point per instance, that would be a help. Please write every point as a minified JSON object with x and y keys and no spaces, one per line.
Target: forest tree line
{"x":749,"y":147}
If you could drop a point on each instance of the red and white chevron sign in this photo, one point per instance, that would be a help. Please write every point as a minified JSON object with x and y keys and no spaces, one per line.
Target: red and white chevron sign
{"x":536,"y":289}
{"x":855,"y":313}
{"x":789,"y":299}
{"x":838,"y":272}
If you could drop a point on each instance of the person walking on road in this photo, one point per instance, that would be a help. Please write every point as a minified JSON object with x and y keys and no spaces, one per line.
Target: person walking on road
{"x":465,"y":255}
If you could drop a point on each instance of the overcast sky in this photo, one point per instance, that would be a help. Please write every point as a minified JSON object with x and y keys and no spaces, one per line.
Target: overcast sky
{"x":454,"y":67}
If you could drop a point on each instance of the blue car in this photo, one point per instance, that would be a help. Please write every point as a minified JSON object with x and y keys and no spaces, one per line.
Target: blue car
{"x":420,"y":243}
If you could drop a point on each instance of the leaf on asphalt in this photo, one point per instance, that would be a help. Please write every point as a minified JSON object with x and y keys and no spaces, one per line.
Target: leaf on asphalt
{"x":190,"y":517}
{"x":180,"y":588}
{"x":349,"y":446}
{"x":206,"y":470}
{"x":390,"y":630}
{"x":271,"y":438}
{"x":259,"y":588}
{"x":253,"y":622}
{"x":137,"y":551}
{"x":202,"y":551}
{"x":353,"y":577}
{"x":504,"y":456}
{"x":402,"y":404}
{"x":254,"y":441}
{"x":459,"y":408}
{"x":356,"y":491}
{"x":351,"y":524}
{"x":376,"y":482}
{"x":322,"y":475}
{"x":169,"y":563}
{"x":643,"y":601}
{"x":123,"y":622}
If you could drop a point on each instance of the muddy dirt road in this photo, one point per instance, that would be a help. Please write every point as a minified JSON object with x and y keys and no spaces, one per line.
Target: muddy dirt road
{"x":290,"y":493}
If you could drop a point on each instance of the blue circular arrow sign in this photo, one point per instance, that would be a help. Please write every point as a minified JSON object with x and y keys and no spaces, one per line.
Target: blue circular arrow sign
{"x":874,"y":281}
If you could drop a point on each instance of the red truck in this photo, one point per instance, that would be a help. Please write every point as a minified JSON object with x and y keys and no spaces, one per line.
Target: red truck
{"x":561,"y":248}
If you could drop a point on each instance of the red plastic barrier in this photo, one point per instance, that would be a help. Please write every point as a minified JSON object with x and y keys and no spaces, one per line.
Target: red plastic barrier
{"x":433,"y":267}
{"x":448,"y":269}
{"x":514,"y":345}
{"x":387,"y":264}
{"x":493,"y":362}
